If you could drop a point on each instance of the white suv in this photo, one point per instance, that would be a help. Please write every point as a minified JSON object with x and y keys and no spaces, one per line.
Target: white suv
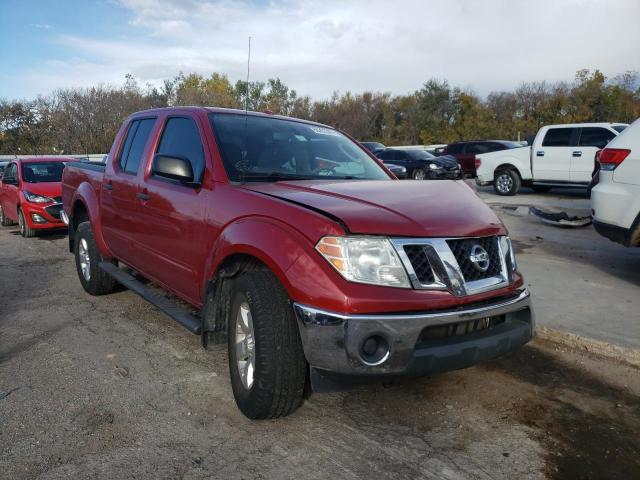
{"x":615,"y":201}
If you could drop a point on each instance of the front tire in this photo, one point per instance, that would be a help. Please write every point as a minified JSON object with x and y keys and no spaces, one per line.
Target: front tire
{"x":25,"y":230}
{"x":93,"y":279}
{"x":419,"y":174}
{"x":266,"y":362}
{"x":506,"y":182}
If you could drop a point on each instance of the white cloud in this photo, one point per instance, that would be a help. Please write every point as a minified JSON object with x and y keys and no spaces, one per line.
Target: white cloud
{"x":317,"y":47}
{"x":42,"y":26}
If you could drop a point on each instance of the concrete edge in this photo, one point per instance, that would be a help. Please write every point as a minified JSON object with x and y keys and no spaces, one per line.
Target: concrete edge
{"x":628,"y":356}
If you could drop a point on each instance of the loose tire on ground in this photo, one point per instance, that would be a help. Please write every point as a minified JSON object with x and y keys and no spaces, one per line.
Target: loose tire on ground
{"x":4,"y":221}
{"x":94,"y":280}
{"x":506,"y":182}
{"x":25,"y":230}
{"x":280,"y":368}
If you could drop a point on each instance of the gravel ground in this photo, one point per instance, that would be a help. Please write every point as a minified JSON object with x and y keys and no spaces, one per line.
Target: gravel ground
{"x":110,"y":388}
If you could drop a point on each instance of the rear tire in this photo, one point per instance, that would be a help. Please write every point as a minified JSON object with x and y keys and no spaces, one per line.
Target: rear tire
{"x":4,"y":221}
{"x":25,"y":230}
{"x":266,"y":362}
{"x":93,"y":279}
{"x":506,"y":182}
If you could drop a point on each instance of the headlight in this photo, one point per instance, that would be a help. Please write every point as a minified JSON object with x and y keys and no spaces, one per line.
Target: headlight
{"x":32,"y":197}
{"x":370,"y":260}
{"x":433,"y":166}
{"x":510,"y":256}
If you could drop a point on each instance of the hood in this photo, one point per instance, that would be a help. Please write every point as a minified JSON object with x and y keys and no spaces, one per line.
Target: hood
{"x":46,"y":189}
{"x":447,"y":161}
{"x":397,"y":208}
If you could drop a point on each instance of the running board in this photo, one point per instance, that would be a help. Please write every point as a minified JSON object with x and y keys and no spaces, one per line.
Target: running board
{"x":178,"y":313}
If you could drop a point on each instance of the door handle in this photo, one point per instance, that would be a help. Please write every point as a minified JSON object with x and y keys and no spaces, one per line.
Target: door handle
{"x":142,"y":196}
{"x":540,"y":153}
{"x":577,"y":154}
{"x":108,"y":186}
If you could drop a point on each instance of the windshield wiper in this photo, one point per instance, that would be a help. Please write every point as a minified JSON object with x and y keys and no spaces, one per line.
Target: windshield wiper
{"x":275,"y":176}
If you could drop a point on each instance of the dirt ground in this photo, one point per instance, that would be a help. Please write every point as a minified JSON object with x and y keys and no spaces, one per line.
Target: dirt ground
{"x":110,"y":388}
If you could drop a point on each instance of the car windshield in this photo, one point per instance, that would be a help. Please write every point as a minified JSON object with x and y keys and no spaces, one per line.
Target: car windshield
{"x":268,"y":149}
{"x":619,"y":128}
{"x":420,"y":154}
{"x":373,"y":146}
{"x":40,"y":172}
{"x":512,"y":145}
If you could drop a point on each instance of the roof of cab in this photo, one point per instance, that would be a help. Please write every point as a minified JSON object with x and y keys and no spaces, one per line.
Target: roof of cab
{"x":232,"y":111}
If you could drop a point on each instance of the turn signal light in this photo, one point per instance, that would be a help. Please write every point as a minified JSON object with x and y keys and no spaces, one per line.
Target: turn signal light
{"x":610,"y":158}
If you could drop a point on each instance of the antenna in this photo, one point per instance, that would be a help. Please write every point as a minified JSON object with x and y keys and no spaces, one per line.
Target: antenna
{"x":246,"y":98}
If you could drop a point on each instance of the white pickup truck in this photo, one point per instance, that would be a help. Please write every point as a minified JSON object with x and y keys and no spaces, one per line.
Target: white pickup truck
{"x":560,"y":156}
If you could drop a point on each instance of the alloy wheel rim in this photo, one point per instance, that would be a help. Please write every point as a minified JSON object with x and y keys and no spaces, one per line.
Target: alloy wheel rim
{"x":505,"y":183}
{"x":419,"y":175}
{"x":21,"y":223}
{"x":83,"y":253}
{"x":245,"y":345}
{"x":1,"y":215}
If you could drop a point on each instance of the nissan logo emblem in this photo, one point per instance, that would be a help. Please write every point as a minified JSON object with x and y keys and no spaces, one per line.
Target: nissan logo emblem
{"x":479,"y":258}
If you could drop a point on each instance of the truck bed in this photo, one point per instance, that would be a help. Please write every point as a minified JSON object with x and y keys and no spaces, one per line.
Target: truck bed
{"x":76,"y":173}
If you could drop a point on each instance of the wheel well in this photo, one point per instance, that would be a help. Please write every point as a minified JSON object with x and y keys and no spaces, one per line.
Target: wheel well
{"x":506,"y":166}
{"x":79,"y":214}
{"x":218,"y":295}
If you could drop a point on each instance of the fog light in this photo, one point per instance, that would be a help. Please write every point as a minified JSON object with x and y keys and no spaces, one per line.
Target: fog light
{"x":37,"y":218}
{"x":374,"y":350}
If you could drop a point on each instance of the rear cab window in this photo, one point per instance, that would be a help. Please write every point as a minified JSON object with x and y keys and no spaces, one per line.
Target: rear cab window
{"x":134,"y":145}
{"x":595,"y":137}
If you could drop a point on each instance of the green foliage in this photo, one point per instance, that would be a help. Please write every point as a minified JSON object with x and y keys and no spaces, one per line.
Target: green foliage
{"x":87,"y":120}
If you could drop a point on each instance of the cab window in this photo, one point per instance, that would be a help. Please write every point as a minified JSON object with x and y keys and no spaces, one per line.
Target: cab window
{"x":181,"y":138}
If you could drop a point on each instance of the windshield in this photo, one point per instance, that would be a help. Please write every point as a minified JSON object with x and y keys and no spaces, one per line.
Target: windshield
{"x":510,"y":145}
{"x":41,"y":172}
{"x":420,"y":154}
{"x":619,"y":128}
{"x":271,"y":149}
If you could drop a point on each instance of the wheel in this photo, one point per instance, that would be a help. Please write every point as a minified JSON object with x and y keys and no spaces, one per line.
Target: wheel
{"x":4,"y":221}
{"x":25,"y":230}
{"x":540,"y":188}
{"x":94,"y":280}
{"x":419,"y":174}
{"x":506,"y":182}
{"x":266,"y":362}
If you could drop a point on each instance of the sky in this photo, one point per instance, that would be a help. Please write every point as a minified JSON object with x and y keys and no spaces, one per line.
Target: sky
{"x":316,"y":47}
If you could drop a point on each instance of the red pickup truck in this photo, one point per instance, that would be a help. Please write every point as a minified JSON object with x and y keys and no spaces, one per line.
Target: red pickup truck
{"x":30,"y":194}
{"x":298,"y":248}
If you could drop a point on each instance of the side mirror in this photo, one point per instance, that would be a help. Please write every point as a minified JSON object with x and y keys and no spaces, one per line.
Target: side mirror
{"x":175,"y":167}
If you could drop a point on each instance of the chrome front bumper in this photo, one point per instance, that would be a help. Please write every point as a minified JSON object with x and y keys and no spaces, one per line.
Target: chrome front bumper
{"x":334,"y":342}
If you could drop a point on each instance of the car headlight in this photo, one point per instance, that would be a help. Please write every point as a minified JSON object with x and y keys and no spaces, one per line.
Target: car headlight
{"x":33,"y":198}
{"x":371,"y":260}
{"x":433,"y":166}
{"x":510,"y":256}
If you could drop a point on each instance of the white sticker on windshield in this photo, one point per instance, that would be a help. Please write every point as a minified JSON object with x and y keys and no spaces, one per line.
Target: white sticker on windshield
{"x":325,"y":131}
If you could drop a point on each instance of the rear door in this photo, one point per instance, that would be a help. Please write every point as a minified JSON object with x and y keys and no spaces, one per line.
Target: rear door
{"x":120,"y":222}
{"x":552,"y":157}
{"x":591,"y":139}
{"x":9,"y":195}
{"x":172,"y":246}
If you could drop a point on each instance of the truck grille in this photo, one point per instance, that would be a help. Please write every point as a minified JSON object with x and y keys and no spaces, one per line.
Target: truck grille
{"x":54,"y":210}
{"x":462,"y":250}
{"x":440,"y":332}
{"x":420,"y":263}
{"x":463,"y":266}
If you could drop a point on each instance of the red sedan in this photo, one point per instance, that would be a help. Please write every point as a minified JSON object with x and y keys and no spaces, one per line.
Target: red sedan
{"x":31,"y":194}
